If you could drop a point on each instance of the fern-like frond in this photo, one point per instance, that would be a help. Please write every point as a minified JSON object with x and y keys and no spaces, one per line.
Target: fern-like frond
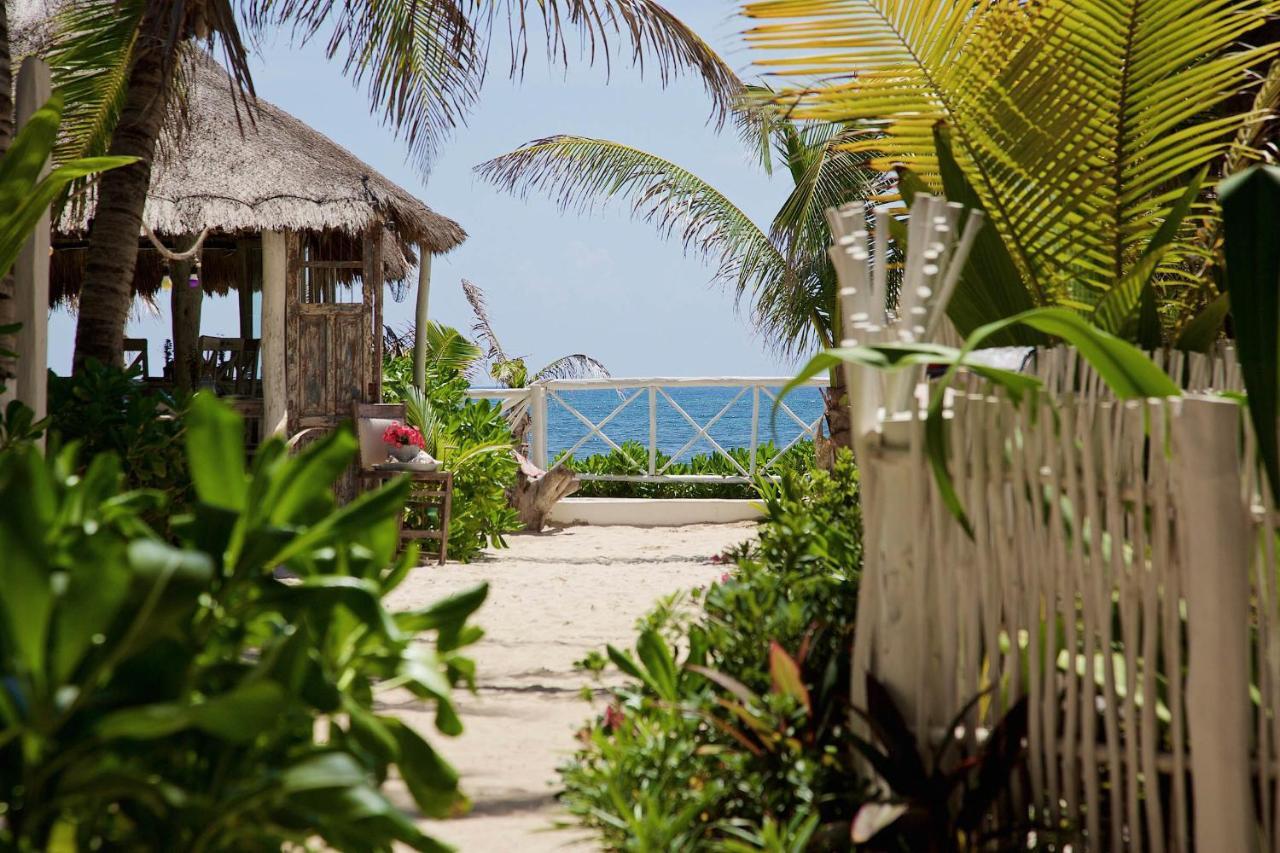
{"x":1077,"y":122}
{"x":576,"y":366}
{"x":483,"y":328}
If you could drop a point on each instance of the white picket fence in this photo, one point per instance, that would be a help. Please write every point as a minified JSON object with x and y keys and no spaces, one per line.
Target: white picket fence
{"x":1121,"y":575}
{"x":652,"y":393}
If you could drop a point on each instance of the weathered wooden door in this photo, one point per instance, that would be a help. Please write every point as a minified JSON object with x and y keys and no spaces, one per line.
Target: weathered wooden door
{"x":334,"y":332}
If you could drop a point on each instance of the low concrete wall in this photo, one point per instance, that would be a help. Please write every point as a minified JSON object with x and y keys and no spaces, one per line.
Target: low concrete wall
{"x":647,"y":512}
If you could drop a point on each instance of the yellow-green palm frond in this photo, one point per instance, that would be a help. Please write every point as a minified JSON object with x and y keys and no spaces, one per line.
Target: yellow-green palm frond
{"x":1077,"y":122}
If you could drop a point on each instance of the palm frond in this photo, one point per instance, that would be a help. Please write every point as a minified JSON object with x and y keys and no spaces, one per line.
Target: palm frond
{"x":449,"y":353}
{"x":423,"y":63}
{"x":579,"y":173}
{"x":1075,"y":121}
{"x":483,"y":328}
{"x":576,"y":366}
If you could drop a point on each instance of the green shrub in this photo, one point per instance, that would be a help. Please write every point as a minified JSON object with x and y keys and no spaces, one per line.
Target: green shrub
{"x":109,"y":410}
{"x":634,"y":459}
{"x":704,"y":729}
{"x":184,"y":697}
{"x":473,"y":439}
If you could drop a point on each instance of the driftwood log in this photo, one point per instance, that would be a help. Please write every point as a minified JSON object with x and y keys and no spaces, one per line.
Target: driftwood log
{"x":537,"y":491}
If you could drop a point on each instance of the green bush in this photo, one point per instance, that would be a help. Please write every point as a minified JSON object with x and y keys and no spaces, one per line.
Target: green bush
{"x":156,"y":696}
{"x":634,"y":459}
{"x":733,"y":726}
{"x":473,"y":439}
{"x":109,"y":410}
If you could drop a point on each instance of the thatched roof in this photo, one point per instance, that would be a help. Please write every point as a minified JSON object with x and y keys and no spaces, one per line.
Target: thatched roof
{"x":268,"y":171}
{"x":239,"y":175}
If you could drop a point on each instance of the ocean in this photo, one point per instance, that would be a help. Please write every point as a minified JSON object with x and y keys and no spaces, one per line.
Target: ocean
{"x":732,"y":430}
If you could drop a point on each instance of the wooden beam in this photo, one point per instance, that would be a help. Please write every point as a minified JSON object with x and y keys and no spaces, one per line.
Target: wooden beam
{"x":31,"y":273}
{"x":249,"y":274}
{"x":373,"y":236}
{"x":275,"y":405}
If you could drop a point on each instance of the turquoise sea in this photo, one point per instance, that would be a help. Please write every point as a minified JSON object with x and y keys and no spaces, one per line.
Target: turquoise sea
{"x":733,"y":429}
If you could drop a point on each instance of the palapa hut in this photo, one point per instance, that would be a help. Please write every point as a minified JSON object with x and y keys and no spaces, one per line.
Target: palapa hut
{"x":277,"y":207}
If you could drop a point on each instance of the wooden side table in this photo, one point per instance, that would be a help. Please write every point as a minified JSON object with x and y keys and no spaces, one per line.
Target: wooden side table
{"x":430,"y":489}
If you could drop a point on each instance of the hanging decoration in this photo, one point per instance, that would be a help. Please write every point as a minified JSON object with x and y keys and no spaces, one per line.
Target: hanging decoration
{"x":194,"y":280}
{"x":166,"y":281}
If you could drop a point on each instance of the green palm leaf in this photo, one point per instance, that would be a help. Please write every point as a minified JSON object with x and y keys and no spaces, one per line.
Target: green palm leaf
{"x":1076,"y":122}
{"x":423,"y":63}
{"x":580,"y":173}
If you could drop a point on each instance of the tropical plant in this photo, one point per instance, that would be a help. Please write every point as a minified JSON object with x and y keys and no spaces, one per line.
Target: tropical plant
{"x":220,"y":692}
{"x":1082,"y":128}
{"x":422,"y":65}
{"x":26,"y":191}
{"x":471,"y":438}
{"x":784,"y":271}
{"x":939,"y":798}
{"x":675,"y":761}
{"x":108,"y":410}
{"x":632,"y":457}
{"x":512,"y":371}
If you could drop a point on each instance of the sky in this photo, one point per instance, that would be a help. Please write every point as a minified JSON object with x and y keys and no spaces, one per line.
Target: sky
{"x":557,"y":283}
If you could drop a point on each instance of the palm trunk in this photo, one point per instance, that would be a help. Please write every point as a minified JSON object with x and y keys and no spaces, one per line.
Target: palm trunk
{"x":107,"y":290}
{"x":8,"y":309}
{"x":835,"y":401}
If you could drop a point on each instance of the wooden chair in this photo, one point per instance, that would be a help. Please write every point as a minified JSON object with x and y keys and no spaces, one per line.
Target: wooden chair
{"x":430,"y":489}
{"x":230,"y":365}
{"x":135,"y":355}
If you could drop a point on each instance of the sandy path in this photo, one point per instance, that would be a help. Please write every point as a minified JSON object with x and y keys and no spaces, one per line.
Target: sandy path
{"x":552,"y":598}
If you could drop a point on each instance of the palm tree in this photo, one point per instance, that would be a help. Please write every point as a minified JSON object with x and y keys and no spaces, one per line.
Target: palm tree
{"x":1077,"y":125}
{"x":785,"y":272}
{"x":422,"y":63}
{"x":512,"y":372}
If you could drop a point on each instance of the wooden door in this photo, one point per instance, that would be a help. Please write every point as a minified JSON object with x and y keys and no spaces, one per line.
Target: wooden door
{"x":334,"y":333}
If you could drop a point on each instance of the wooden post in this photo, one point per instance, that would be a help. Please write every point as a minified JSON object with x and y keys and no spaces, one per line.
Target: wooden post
{"x":31,"y":273}
{"x":275,"y":407}
{"x":420,"y":318}
{"x":1214,"y":539}
{"x":538,"y":405}
{"x":373,"y":287}
{"x":186,"y":303}
{"x":249,"y":273}
{"x":890,"y":519}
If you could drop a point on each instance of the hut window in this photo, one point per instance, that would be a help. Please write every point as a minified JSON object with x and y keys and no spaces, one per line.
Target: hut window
{"x":327,"y":278}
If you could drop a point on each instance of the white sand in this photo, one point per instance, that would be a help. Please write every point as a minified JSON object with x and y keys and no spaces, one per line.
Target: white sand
{"x":552,"y":598}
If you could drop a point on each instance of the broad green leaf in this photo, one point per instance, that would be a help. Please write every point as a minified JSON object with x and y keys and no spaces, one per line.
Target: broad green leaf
{"x":238,"y":716}
{"x":381,"y":506}
{"x":1125,"y":369}
{"x":362,"y":597}
{"x":431,"y":780}
{"x":321,"y":771}
{"x":215,"y":453}
{"x":449,"y":612}
{"x":660,"y":663}
{"x":1250,"y":214}
{"x":1203,"y":330}
{"x":624,"y":662}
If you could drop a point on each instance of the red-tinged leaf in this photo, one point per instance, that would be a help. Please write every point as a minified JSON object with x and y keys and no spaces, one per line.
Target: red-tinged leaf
{"x":785,"y":673}
{"x":728,"y":682}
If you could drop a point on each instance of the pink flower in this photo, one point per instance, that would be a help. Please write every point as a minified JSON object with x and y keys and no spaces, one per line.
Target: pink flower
{"x":724,"y":578}
{"x":403,"y":436}
{"x":613,"y":718}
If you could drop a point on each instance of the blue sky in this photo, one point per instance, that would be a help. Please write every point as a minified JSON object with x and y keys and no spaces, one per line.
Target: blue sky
{"x":557,"y":283}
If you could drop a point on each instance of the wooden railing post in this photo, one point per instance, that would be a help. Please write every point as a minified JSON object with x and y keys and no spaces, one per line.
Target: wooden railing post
{"x":1213,"y":537}
{"x":538,"y":413}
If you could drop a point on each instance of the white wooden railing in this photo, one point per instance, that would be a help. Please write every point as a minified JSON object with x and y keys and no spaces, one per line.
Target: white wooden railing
{"x":763,"y":393}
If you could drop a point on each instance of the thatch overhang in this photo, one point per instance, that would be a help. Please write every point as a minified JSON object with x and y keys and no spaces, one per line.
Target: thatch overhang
{"x":238,"y":171}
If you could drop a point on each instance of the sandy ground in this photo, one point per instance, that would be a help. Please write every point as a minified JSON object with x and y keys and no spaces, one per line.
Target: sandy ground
{"x":552,"y":598}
